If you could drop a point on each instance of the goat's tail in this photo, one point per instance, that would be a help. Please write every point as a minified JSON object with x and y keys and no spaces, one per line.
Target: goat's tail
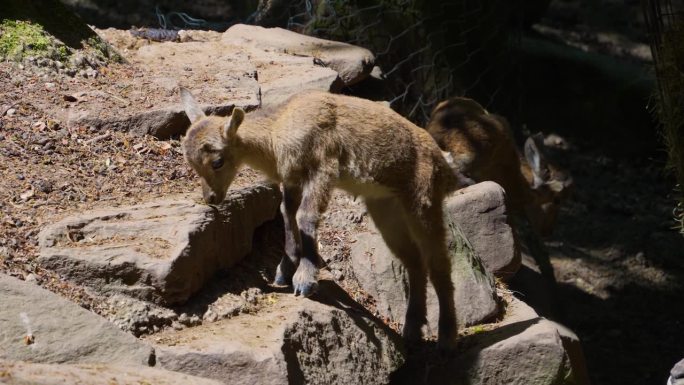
{"x":459,"y":180}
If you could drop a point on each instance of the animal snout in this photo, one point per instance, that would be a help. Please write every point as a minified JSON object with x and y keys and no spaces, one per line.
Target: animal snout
{"x":211,"y":198}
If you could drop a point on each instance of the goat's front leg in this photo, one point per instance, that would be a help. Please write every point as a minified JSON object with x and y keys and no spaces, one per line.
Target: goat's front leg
{"x":315,"y":197}
{"x":292,"y":197}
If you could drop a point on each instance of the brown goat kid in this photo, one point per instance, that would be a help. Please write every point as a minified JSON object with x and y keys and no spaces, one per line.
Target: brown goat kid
{"x":317,"y":141}
{"x":482,"y":147}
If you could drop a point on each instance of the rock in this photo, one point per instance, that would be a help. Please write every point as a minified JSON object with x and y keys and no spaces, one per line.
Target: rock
{"x":352,"y":63}
{"x":161,"y":251}
{"x":493,"y":356}
{"x":282,"y":75}
{"x":573,"y":348}
{"x":93,"y":374}
{"x":383,"y":276}
{"x":221,"y":77}
{"x":677,"y":374}
{"x":324,"y":340}
{"x":136,"y":316}
{"x":224,"y":73}
{"x":39,"y":326}
{"x":480,"y":212}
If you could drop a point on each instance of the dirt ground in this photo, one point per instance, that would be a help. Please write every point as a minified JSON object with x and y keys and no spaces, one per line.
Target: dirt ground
{"x":49,"y":169}
{"x":618,"y":259}
{"x":619,"y":267}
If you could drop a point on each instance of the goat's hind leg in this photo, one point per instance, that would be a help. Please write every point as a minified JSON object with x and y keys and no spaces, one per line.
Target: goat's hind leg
{"x":390,"y":218}
{"x":429,"y":233}
{"x":292,"y":197}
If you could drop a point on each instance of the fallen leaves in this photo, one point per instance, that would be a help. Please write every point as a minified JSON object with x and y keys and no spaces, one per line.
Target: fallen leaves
{"x":27,"y":194}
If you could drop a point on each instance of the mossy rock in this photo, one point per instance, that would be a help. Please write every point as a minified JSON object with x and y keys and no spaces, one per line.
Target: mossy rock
{"x":19,"y":39}
{"x":47,"y":29}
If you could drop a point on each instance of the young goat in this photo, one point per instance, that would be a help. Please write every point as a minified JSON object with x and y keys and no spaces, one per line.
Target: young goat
{"x":317,"y":141}
{"x":482,"y":147}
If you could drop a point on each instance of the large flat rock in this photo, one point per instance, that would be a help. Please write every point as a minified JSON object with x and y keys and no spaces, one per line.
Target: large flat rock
{"x":352,"y":63}
{"x":282,"y":75}
{"x":522,"y":349}
{"x":383,"y":276}
{"x":162,"y":251}
{"x":480,"y":211}
{"x":37,"y":325}
{"x":247,"y":67}
{"x":145,"y":100}
{"x":24,"y":373}
{"x":328,"y":339}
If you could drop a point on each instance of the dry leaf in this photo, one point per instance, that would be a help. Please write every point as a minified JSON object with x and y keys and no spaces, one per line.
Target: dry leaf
{"x":29,"y":339}
{"x":26,"y":195}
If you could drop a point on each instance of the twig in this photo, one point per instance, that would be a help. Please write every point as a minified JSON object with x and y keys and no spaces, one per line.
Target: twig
{"x":4,"y":109}
{"x":16,"y":145}
{"x":106,"y":135}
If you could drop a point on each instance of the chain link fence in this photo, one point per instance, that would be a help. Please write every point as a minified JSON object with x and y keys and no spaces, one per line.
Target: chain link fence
{"x":665,"y":20}
{"x":427,"y":51}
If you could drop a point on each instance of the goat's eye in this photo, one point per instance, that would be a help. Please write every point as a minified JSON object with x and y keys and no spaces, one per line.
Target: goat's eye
{"x":217,"y":163}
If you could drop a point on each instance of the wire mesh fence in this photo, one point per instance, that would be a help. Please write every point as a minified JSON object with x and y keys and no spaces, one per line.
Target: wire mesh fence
{"x":427,"y":51}
{"x":665,"y":21}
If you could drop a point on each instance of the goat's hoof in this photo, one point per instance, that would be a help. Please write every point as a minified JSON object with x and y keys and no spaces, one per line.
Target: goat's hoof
{"x":447,"y":345}
{"x":306,"y":289}
{"x":412,"y":335}
{"x":282,"y":280}
{"x":284,"y":273}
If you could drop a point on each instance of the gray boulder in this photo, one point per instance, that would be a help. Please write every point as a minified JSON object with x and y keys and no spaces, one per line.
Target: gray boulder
{"x":522,"y":349}
{"x":480,"y":211}
{"x":352,"y":63}
{"x":573,"y":348}
{"x":162,"y":251}
{"x":25,"y":373}
{"x":37,"y":325}
{"x":677,"y":374}
{"x":282,"y":75}
{"x":328,"y":339}
{"x":383,"y":276}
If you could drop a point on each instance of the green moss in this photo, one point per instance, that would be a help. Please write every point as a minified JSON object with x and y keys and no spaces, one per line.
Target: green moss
{"x":103,"y":50}
{"x":19,"y":39}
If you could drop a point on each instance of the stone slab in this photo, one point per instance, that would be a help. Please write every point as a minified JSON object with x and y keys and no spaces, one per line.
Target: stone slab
{"x":328,"y":339}
{"x":37,"y":325}
{"x":160,"y":251}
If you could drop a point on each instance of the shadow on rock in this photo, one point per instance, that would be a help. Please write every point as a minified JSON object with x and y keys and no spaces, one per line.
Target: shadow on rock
{"x":243,"y":284}
{"x":427,"y":365}
{"x":329,"y":293}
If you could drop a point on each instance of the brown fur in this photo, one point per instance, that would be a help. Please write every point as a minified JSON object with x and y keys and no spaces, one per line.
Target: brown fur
{"x":482,"y":146}
{"x":318,"y":141}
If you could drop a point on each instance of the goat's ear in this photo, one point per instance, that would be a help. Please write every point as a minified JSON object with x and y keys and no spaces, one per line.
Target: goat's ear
{"x":535,"y":158}
{"x":232,"y":125}
{"x":192,"y":109}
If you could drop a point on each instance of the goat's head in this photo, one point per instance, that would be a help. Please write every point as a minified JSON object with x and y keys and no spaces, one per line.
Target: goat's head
{"x":549,"y":186}
{"x":209,"y":147}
